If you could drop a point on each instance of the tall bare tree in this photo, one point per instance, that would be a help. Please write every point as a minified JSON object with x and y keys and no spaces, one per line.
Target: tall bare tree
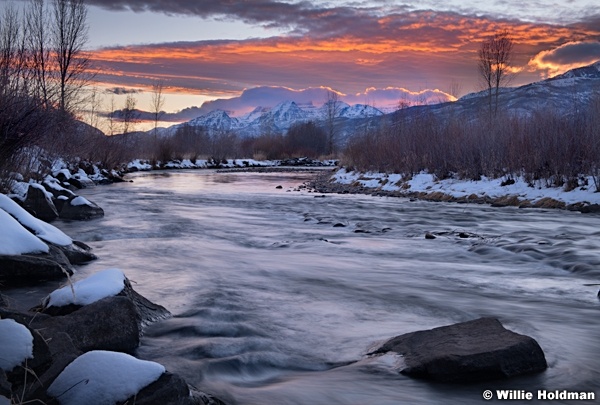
{"x":39,"y":49}
{"x":69,"y":36}
{"x":494,"y":58}
{"x":157,"y":103}
{"x":129,"y":114}
{"x":333,"y":108}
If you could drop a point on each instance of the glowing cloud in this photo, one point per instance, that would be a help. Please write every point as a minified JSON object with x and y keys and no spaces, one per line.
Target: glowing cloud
{"x":565,"y":57}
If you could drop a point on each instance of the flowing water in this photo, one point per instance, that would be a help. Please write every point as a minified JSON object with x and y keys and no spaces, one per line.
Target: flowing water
{"x":277,"y":295}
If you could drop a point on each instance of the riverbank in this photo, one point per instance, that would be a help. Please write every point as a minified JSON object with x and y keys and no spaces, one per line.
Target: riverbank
{"x":514,"y":192}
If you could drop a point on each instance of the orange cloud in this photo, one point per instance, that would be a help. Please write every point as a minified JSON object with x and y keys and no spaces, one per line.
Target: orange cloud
{"x":422,"y":49}
{"x":565,"y":57}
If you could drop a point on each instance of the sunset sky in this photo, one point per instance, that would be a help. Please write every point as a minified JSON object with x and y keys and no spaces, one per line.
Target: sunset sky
{"x":206,"y":49}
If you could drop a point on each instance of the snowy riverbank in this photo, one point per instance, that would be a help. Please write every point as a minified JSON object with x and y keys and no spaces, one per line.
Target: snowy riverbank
{"x":515,"y":191}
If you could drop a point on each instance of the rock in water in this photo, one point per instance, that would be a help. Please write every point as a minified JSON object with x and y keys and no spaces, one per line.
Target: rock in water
{"x":40,"y":203}
{"x":30,"y":269}
{"x":80,"y":208}
{"x":477,"y":350}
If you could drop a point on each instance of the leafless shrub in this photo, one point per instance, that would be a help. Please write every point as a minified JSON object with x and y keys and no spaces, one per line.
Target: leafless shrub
{"x":546,"y":148}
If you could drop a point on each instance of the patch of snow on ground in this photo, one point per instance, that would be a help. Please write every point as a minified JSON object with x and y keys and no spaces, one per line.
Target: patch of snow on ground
{"x":138,"y":164}
{"x":425,"y":182}
{"x":103,"y":378}
{"x":106,"y":283}
{"x":16,"y":240}
{"x":16,"y":344}
{"x":41,"y":229}
{"x":344,"y":177}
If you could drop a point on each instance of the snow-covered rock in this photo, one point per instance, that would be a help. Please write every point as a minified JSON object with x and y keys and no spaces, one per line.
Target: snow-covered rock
{"x":16,"y":240}
{"x":41,"y":229}
{"x":102,"y":377}
{"x":39,"y":201}
{"x":16,"y":344}
{"x":104,"y":284}
{"x":81,"y":208}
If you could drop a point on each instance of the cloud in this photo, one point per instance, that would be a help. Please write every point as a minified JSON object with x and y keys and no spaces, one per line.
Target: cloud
{"x":122,"y":90}
{"x":565,"y":57}
{"x":346,"y":48}
{"x":297,"y":17}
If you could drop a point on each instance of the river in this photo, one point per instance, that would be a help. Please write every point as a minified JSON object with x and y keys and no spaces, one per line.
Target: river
{"x":278,"y":294}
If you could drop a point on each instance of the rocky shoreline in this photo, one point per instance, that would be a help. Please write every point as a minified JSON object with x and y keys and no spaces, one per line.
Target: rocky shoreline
{"x":324,"y":183}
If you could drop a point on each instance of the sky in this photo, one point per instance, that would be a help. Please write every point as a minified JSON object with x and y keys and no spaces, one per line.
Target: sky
{"x":367,"y":51}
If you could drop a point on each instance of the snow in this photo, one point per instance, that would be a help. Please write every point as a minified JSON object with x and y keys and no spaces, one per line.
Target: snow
{"x":138,"y":164}
{"x":16,"y":240}
{"x":65,"y":172}
{"x":103,"y":378}
{"x":16,"y":344}
{"x":106,"y":283}
{"x":426,"y":182}
{"x":41,"y":229}
{"x":42,"y":189}
{"x":54,"y":184}
{"x":80,"y":201}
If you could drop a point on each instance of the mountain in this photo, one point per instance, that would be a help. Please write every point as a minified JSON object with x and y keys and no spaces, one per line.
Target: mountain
{"x":562,"y":94}
{"x":277,"y":119}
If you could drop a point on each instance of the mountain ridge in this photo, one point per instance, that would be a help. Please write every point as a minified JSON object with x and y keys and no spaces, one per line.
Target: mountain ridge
{"x":561,"y":93}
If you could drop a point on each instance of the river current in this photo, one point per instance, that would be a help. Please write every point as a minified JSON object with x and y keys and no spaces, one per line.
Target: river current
{"x":277,"y":294}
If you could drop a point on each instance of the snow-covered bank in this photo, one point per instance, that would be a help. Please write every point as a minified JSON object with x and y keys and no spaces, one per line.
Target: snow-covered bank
{"x":145,"y":165}
{"x":514,"y":191}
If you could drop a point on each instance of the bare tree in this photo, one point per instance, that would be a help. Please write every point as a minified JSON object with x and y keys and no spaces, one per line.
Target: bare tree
{"x":455,"y":88}
{"x":69,"y":36}
{"x":129,"y":115}
{"x":333,"y":108}
{"x":39,"y":49}
{"x":13,"y":61}
{"x":111,"y":117}
{"x":494,"y":58}
{"x":157,"y":103}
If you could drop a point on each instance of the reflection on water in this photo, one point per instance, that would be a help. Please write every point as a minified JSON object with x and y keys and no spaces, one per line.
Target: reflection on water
{"x":277,"y":295}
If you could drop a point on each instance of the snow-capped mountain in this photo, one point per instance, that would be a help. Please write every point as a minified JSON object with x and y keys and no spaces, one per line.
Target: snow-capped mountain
{"x":561,"y":94}
{"x":217,"y":120}
{"x":277,"y":119}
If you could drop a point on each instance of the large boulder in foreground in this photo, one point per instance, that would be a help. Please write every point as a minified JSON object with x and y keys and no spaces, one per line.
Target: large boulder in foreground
{"x":476,"y":350}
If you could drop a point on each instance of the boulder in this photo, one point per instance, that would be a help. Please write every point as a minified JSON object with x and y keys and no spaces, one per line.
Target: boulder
{"x":80,"y":208}
{"x":477,"y":350}
{"x":40,"y":204}
{"x":5,"y":387}
{"x":78,"y":252}
{"x":60,"y":353}
{"x":30,"y":269}
{"x":146,"y":312}
{"x":169,"y":389}
{"x":109,"y":324}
